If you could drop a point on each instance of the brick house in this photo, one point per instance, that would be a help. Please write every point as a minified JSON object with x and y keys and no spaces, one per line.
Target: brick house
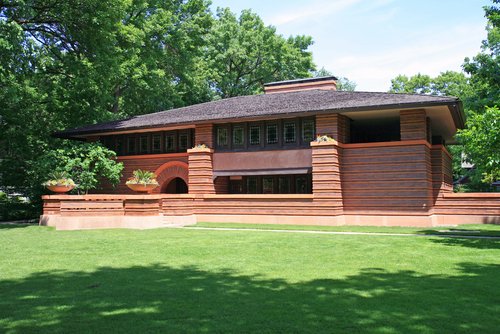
{"x":388,"y":163}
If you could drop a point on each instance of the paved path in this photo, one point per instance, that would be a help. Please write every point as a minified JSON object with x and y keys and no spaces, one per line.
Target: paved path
{"x":344,"y":233}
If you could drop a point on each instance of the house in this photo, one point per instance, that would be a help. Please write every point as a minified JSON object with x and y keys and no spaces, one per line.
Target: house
{"x":256,"y":159}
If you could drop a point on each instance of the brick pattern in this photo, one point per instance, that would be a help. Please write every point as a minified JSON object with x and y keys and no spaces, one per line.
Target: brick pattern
{"x":292,"y":87}
{"x":336,"y":126}
{"x":204,"y":135}
{"x":442,"y":172}
{"x":386,"y":178}
{"x":413,"y":125}
{"x":326,"y":176}
{"x":169,"y":171}
{"x":201,"y":171}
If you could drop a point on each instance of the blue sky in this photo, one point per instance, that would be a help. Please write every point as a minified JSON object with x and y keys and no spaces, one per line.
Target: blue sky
{"x":372,"y":41}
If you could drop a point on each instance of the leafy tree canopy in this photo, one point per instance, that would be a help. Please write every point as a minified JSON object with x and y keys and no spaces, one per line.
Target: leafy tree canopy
{"x":343,"y":84}
{"x":481,"y":140}
{"x":243,"y":54}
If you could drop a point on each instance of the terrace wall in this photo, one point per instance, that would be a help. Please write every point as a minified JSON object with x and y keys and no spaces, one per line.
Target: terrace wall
{"x":389,"y":177}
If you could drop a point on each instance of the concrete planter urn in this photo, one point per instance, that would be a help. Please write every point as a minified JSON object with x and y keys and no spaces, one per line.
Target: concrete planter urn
{"x":142,"y":188}
{"x":59,"y":183}
{"x":60,"y":189}
{"x":142,"y":181}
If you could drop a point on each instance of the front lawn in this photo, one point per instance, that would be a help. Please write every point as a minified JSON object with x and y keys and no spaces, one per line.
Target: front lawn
{"x":204,"y":281}
{"x":492,"y":230}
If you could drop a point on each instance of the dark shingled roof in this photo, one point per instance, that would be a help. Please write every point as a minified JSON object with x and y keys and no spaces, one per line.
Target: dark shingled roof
{"x":277,"y":104}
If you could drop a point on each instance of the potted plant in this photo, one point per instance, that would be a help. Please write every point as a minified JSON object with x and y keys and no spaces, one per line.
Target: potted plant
{"x":142,"y":181}
{"x":60,"y":182}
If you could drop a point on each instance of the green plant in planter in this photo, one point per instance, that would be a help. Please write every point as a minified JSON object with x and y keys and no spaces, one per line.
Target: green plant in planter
{"x":59,"y":179}
{"x":142,"y":177}
{"x":324,"y":138}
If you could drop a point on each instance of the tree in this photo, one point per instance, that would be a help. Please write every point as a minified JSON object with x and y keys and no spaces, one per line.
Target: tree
{"x":484,"y":68}
{"x":68,"y":63}
{"x":448,"y":83}
{"x":88,"y":164}
{"x":343,"y":84}
{"x":243,"y":54}
{"x":481,"y":142}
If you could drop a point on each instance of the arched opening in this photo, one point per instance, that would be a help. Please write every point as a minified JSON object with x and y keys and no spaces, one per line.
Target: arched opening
{"x":167,"y":174}
{"x":175,"y":186}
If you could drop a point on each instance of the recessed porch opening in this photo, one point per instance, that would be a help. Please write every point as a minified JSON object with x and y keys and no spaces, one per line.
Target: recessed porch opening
{"x":175,"y":186}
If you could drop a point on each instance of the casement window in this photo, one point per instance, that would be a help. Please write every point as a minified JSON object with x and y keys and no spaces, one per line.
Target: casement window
{"x":143,"y":144}
{"x":156,"y":143}
{"x":183,"y":141}
{"x":251,"y":184}
{"x":222,"y":137}
{"x":268,"y":185}
{"x":238,"y":136}
{"x":131,"y":149}
{"x":284,"y":185}
{"x":301,"y":185}
{"x":271,"y":134}
{"x":308,"y":131}
{"x":289,"y":132}
{"x":254,"y":134}
{"x":170,"y":142}
{"x":119,"y":145}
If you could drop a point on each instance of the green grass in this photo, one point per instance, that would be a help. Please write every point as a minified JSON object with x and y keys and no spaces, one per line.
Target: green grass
{"x":204,"y":281}
{"x":471,"y":229}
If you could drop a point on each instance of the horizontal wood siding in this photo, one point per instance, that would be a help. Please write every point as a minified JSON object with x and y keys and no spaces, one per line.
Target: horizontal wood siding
{"x":386,"y":178}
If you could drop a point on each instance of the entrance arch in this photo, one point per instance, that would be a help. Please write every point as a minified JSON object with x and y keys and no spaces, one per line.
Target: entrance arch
{"x":175,"y":186}
{"x":169,"y":171}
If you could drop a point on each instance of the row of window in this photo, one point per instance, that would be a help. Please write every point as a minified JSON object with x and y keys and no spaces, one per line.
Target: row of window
{"x":272,"y":184}
{"x":150,"y":143}
{"x":271,"y":134}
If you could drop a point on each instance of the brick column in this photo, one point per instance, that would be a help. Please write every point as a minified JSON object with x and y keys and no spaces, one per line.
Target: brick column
{"x":336,"y":126}
{"x":203,"y":134}
{"x":326,"y":178}
{"x":442,"y":171}
{"x":201,"y":171}
{"x":413,"y":124}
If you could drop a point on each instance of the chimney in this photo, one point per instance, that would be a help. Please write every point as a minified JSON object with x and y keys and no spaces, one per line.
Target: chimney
{"x":326,"y":83}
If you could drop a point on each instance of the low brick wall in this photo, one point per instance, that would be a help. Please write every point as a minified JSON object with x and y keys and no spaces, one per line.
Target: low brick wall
{"x":160,"y":210}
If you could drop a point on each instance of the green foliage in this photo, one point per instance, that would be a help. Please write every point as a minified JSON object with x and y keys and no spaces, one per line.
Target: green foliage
{"x":484,"y":68}
{"x":15,"y":208}
{"x":448,"y":83}
{"x":243,"y":54}
{"x":343,"y":84}
{"x":143,"y":177}
{"x":481,"y":142}
{"x":87,"y":163}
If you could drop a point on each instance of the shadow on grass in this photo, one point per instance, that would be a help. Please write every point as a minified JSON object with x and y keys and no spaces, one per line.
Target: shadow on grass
{"x":190,"y":300}
{"x":8,"y":225}
{"x":469,"y":242}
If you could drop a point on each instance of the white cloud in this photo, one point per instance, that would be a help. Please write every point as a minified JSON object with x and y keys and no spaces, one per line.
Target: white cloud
{"x":372,"y":70}
{"x":313,"y":10}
